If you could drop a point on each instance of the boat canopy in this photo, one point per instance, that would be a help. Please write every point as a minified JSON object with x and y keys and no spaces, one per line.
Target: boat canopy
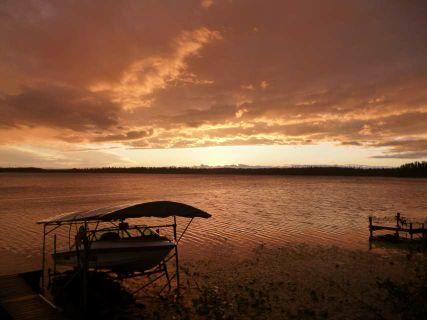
{"x":160,"y":209}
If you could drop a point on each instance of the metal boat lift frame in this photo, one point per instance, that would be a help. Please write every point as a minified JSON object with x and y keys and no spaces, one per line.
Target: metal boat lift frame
{"x":159,"y":269}
{"x":88,"y":219}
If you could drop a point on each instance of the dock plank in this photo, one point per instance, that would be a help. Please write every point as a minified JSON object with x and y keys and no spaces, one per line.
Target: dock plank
{"x":19,"y":301}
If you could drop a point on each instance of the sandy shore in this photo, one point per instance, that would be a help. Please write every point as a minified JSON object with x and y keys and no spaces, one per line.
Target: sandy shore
{"x":296,"y":282}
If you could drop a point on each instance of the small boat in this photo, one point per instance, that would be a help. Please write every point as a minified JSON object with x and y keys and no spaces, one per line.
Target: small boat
{"x":105,"y":241}
{"x":120,"y":251}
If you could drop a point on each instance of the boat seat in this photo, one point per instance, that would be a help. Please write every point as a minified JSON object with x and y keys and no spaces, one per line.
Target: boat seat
{"x":109,"y":236}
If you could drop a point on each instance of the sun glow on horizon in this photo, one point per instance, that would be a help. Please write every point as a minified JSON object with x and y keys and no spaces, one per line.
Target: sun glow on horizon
{"x":117,"y":156}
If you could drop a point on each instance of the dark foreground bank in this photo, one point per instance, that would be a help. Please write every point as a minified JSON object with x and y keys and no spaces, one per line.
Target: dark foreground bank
{"x":293,"y":282}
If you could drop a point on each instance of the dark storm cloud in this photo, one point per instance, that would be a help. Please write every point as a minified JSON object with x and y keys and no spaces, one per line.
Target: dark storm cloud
{"x":130,"y":135}
{"x":402,"y":146}
{"x":403,"y":155}
{"x":59,"y":107}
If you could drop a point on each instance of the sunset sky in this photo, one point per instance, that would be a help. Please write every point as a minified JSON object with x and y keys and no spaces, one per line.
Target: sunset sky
{"x":158,"y":83}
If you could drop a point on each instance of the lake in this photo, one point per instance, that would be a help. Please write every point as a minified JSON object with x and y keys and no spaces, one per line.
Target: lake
{"x":248,"y":211}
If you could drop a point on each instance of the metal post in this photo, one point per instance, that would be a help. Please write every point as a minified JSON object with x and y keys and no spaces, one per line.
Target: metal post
{"x":85,"y":269}
{"x":69,"y":237}
{"x":165,"y":269}
{"x":43,"y":254}
{"x":183,"y":232}
{"x":176,"y":255}
{"x":371,"y":234}
{"x":54,"y":254}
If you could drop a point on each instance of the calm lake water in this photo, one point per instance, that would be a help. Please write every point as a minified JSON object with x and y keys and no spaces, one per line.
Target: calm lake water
{"x":247,"y":210}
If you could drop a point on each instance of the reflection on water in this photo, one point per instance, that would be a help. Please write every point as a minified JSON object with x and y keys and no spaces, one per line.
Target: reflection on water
{"x":247,"y":210}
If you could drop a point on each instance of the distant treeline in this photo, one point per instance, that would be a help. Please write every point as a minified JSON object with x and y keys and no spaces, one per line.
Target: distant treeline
{"x":415,"y":169}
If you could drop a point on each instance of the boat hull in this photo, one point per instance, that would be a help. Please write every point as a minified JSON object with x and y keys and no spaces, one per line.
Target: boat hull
{"x":123,"y":256}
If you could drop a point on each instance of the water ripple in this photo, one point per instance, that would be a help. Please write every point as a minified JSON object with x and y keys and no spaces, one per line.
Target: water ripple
{"x":247,"y":210}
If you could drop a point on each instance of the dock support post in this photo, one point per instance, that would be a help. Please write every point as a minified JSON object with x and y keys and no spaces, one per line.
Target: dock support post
{"x":371,"y":232}
{"x":397,"y":224}
{"x":176,"y":255}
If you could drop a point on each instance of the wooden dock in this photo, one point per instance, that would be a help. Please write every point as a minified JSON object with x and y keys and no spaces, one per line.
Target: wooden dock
{"x":19,"y":299}
{"x":401,"y":227}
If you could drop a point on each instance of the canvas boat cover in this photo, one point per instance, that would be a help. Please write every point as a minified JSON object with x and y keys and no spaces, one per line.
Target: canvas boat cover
{"x":160,"y":209}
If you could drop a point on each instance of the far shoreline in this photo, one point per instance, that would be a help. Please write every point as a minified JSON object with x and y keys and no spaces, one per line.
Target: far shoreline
{"x":410,"y":170}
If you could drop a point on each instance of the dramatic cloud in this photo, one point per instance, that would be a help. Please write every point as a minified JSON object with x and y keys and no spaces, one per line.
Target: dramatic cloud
{"x":144,"y":74}
{"x":130,"y":135}
{"x":148,"y":74}
{"x":60,"y":107}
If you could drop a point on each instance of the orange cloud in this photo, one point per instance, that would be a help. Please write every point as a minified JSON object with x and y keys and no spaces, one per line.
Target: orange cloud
{"x":146,"y":75}
{"x":88,"y":75}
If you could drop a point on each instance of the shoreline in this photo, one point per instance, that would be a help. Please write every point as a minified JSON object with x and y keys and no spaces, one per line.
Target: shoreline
{"x":404,"y":171}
